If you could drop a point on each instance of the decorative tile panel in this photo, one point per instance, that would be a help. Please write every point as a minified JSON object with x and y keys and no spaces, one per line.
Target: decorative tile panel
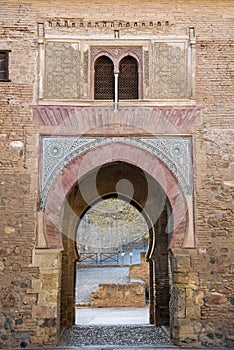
{"x":58,"y":151}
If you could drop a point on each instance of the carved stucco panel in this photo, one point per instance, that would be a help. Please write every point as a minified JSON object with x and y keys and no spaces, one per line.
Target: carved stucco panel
{"x":62,"y":70}
{"x":58,"y":151}
{"x":170,"y":70}
{"x":146,"y":69}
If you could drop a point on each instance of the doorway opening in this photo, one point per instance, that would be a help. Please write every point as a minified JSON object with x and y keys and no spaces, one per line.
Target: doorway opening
{"x":127,"y":183}
{"x":112,"y":274}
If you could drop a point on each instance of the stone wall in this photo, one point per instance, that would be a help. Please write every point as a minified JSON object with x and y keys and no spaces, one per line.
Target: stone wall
{"x":199,"y":307}
{"x":203,"y":277}
{"x":47,"y":287}
{"x":140,"y":270}
{"x":130,"y":294}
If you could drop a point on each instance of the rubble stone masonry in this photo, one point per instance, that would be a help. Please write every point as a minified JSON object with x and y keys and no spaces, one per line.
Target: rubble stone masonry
{"x":202,"y":291}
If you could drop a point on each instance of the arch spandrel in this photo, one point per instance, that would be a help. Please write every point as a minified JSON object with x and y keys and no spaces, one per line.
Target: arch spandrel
{"x":58,"y":151}
{"x":111,"y":152}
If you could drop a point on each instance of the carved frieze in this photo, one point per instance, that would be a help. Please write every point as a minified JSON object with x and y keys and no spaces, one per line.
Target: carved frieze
{"x":81,"y":24}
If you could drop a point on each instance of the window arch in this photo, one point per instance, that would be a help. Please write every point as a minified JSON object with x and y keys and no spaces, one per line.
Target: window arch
{"x":128,"y":79}
{"x":104,"y":81}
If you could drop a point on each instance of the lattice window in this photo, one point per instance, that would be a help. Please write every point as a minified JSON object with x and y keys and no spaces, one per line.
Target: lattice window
{"x":104,"y":81}
{"x":128,"y":78}
{"x":4,"y":73}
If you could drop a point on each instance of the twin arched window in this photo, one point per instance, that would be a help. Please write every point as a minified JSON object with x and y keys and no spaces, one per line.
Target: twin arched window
{"x":104,"y":79}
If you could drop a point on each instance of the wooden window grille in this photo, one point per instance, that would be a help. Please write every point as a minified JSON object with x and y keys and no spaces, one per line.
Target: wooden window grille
{"x":4,"y":61}
{"x":104,"y":80}
{"x":128,"y":79}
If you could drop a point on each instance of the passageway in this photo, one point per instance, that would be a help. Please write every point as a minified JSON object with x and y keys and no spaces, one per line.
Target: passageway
{"x":139,"y":189}
{"x":112,"y":239}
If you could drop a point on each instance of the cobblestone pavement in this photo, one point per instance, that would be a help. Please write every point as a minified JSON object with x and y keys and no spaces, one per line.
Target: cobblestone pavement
{"x":128,"y":335}
{"x":118,"y":337}
{"x":144,"y":337}
{"x":141,"y":347}
{"x":124,"y":347}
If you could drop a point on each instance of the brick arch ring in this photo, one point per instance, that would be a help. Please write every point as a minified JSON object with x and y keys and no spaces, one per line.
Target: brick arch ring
{"x":183,"y":234}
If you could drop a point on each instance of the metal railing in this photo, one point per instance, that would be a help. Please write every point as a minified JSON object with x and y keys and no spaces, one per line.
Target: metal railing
{"x":88,"y":258}
{"x":97,"y":259}
{"x":109,"y":258}
{"x":124,"y":258}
